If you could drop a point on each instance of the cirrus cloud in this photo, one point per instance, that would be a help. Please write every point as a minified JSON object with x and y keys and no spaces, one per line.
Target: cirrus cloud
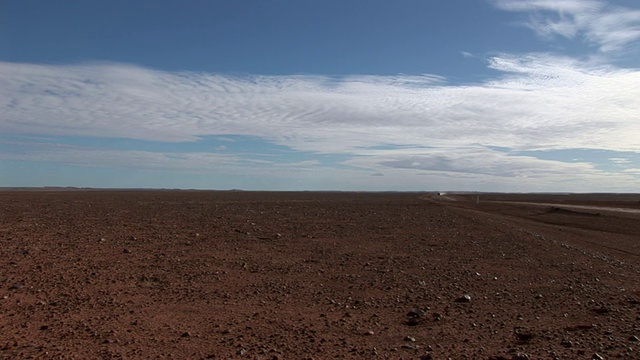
{"x":609,"y":28}
{"x":540,"y":102}
{"x":419,"y":125}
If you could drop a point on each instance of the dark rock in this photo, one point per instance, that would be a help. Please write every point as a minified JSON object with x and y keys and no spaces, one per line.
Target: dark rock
{"x":413,"y":321}
{"x":16,"y":286}
{"x":415,"y":316}
{"x":464,"y":299}
{"x":416,"y":313}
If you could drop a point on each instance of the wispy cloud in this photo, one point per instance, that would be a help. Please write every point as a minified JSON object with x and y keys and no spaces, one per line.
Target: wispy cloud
{"x":620,"y":161}
{"x":539,"y":102}
{"x":610,"y":28}
{"x":186,"y":162}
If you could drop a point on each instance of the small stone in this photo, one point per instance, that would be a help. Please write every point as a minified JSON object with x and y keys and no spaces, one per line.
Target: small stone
{"x":416,"y":313}
{"x":566,"y":343}
{"x":634,"y":338}
{"x":126,"y":251}
{"x":597,"y":356}
{"x":520,"y":356}
{"x":409,"y":338}
{"x":426,"y":357}
{"x":369,"y":332}
{"x":186,"y":334}
{"x":538,"y":296}
{"x":16,"y":286}
{"x":464,"y":298}
{"x":44,"y":327}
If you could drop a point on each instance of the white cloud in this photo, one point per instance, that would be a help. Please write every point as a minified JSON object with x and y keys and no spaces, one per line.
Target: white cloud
{"x":455,"y":168}
{"x":620,"y":161}
{"x":472,"y":160}
{"x":541,"y":102}
{"x":609,"y":28}
{"x":560,"y":6}
{"x":188,"y":162}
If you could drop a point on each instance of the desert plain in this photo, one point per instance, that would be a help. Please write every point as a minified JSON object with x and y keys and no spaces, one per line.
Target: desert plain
{"x":88,"y":274}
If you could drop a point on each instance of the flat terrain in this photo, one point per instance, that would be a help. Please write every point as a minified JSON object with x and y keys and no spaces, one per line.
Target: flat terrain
{"x":217,"y":275}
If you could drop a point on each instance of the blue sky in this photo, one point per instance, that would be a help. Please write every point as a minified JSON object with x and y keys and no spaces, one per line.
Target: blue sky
{"x":487,"y":95}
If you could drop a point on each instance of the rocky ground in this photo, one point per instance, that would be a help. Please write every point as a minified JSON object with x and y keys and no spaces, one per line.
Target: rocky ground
{"x":217,"y":275}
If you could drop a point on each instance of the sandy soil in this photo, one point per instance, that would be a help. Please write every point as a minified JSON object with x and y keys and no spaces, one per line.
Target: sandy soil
{"x":217,"y":275}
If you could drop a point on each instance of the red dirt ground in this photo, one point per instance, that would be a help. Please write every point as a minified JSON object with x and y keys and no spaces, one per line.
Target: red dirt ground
{"x":199,"y":275}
